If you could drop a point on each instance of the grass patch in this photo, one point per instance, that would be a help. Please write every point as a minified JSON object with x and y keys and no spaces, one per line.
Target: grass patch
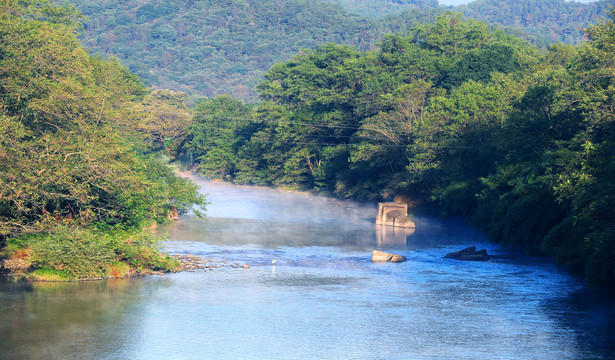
{"x":48,"y":275}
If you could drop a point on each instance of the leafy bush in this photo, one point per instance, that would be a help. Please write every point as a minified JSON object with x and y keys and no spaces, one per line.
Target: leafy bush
{"x":77,"y":253}
{"x":139,"y":250}
{"x":74,"y":254}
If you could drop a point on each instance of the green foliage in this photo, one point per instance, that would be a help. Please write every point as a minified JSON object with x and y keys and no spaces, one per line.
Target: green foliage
{"x":48,"y":275}
{"x":86,"y":254}
{"x":381,"y":8}
{"x":71,"y":164}
{"x":139,"y":250}
{"x":478,"y":65}
{"x":334,"y":116}
{"x":164,"y":119}
{"x":215,"y":136}
{"x":215,"y":47}
{"x":79,"y":254}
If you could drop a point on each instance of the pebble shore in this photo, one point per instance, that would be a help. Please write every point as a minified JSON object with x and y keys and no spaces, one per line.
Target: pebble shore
{"x":193,"y":263}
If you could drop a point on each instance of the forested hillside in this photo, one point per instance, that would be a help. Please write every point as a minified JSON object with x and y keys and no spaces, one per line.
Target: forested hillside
{"x":518,"y":140}
{"x":212,"y":47}
{"x":77,"y":188}
{"x":546,"y":21}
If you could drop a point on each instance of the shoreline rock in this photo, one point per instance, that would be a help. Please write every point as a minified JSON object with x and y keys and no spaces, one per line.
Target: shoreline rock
{"x":192,"y":263}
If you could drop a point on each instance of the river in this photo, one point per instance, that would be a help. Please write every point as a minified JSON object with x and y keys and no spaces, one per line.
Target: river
{"x":322,"y":298}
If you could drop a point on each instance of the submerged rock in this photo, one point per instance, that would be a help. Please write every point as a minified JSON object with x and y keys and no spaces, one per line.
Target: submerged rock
{"x":379,"y":256}
{"x":469,"y":254}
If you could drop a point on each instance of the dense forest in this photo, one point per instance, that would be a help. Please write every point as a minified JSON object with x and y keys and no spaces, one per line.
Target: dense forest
{"x":519,"y":140}
{"x":78,"y":191}
{"x":213,"y":47}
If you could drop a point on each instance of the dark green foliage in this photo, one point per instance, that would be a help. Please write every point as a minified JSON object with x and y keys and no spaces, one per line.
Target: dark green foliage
{"x":214,"y":137}
{"x":478,"y":65}
{"x":335,"y":117}
{"x":215,"y":47}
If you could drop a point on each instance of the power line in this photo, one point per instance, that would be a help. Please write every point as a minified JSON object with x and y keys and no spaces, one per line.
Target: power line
{"x":388,"y":145}
{"x":323,"y":125}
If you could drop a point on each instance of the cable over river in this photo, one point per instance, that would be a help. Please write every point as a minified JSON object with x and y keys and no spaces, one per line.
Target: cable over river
{"x":311,"y":292}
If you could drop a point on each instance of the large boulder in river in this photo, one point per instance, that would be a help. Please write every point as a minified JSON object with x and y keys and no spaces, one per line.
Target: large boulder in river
{"x":379,"y":256}
{"x":469,"y":254}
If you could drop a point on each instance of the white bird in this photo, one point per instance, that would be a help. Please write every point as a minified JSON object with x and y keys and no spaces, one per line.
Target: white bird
{"x":273,"y":262}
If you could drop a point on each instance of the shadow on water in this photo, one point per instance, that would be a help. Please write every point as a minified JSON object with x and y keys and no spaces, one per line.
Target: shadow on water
{"x":591,"y":316}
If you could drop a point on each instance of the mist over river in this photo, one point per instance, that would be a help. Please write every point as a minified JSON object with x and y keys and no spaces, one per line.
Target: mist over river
{"x":322,"y":298}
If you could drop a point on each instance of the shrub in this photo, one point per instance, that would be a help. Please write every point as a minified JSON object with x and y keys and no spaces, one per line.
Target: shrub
{"x":139,"y":250}
{"x":77,"y":253}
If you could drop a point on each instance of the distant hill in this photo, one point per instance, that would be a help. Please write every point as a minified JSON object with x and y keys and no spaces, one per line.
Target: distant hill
{"x":541,"y":21}
{"x":213,"y":47}
{"x":544,"y":21}
{"x":381,"y":8}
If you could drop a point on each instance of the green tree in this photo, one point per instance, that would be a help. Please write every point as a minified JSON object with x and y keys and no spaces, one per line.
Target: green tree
{"x":166,"y":122}
{"x":68,"y":156}
{"x":216,"y":133}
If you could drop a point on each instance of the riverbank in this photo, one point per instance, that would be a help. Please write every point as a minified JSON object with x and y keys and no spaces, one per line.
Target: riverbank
{"x":21,"y":269}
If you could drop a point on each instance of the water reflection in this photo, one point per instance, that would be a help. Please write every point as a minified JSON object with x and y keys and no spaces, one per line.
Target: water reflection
{"x":53,"y":320}
{"x":391,"y":235}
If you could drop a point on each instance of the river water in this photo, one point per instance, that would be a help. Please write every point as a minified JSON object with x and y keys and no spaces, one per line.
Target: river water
{"x":322,"y":298}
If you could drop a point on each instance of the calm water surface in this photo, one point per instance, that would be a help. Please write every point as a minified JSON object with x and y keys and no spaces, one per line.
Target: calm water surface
{"x":323,"y":299}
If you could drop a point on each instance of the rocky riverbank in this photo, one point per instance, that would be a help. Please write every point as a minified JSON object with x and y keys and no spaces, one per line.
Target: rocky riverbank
{"x":193,"y":263}
{"x":21,"y":269}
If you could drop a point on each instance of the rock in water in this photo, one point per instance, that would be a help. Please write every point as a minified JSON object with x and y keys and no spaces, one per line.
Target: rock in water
{"x":469,"y":254}
{"x":397,"y":258}
{"x":382,"y":256}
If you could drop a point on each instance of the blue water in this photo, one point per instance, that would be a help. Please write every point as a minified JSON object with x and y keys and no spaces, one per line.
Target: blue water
{"x":322,"y":299}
